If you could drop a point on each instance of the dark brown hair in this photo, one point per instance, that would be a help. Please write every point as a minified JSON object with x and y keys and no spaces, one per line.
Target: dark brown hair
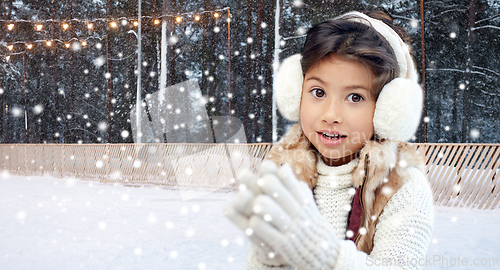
{"x":354,"y":41}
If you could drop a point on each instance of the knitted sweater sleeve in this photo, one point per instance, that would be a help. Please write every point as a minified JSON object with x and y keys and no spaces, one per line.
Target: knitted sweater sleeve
{"x":402,"y":233}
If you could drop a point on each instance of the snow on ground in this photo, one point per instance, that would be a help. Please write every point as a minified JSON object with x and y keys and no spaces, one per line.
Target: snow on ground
{"x":51,"y":223}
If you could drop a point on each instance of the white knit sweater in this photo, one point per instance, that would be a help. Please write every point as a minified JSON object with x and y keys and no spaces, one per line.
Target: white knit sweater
{"x":403,"y":230}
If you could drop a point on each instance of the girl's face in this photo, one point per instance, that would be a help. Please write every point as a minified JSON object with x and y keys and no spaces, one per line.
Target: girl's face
{"x":336,"y":110}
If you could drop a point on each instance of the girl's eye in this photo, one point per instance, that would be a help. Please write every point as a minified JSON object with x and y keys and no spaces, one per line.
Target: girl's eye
{"x":354,"y":98}
{"x":318,"y":93}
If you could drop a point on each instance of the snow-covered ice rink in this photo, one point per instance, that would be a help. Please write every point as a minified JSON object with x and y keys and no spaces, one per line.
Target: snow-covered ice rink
{"x":52,"y":223}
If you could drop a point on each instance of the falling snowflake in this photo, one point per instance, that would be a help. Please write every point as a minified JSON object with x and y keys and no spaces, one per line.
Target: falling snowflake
{"x":137,"y":163}
{"x":414,"y":23}
{"x":102,"y":225}
{"x":103,"y":126}
{"x":298,"y":3}
{"x":76,"y":46}
{"x":124,"y":134}
{"x":38,"y":109}
{"x":224,"y":242}
{"x":125,"y":197}
{"x":173,"y":40}
{"x":16,"y":112}
{"x":190,"y":232}
{"x":474,"y":133}
{"x":99,"y":61}
{"x":152,"y":218}
{"x":99,"y":164}
{"x":21,"y":215}
{"x":301,"y":31}
{"x":169,"y":225}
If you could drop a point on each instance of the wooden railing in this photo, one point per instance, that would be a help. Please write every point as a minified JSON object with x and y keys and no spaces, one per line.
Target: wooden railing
{"x":465,"y":175}
{"x":211,"y":166}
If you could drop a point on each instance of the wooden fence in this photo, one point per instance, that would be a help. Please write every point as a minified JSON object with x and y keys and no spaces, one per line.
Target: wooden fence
{"x":465,"y":175}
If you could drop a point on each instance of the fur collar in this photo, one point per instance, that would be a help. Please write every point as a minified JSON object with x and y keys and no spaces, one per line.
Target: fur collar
{"x":380,"y":172}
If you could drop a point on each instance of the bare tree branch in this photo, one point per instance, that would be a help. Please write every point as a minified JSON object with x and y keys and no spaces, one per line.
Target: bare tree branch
{"x":487,"y":19}
{"x":473,"y":29}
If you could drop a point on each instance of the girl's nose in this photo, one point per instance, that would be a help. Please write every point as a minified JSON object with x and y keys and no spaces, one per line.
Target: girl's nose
{"x":332,"y":113}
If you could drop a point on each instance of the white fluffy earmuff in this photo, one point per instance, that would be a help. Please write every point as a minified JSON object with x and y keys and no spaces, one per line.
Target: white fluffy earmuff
{"x":399,"y":105}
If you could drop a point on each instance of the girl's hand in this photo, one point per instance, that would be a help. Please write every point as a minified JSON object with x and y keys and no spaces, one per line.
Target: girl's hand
{"x":286,"y":216}
{"x":241,"y":210}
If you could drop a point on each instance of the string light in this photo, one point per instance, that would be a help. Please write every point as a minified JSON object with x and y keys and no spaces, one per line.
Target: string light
{"x":90,"y":24}
{"x":7,"y":57}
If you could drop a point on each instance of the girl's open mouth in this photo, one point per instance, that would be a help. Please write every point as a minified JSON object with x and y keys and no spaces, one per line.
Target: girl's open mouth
{"x":331,"y":139}
{"x":334,"y":136}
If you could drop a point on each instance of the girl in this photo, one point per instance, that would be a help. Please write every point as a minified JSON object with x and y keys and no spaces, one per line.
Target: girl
{"x":354,"y":92}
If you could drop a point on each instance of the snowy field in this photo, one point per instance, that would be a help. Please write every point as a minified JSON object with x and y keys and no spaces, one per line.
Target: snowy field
{"x":51,"y":223}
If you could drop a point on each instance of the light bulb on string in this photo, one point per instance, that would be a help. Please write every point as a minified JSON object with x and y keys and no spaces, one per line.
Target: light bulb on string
{"x":216,"y":15}
{"x":49,"y":43}
{"x":113,"y":24}
{"x":10,"y":26}
{"x":67,"y":45}
{"x":136,"y":23}
{"x":65,"y":26}
{"x":29,"y":46}
{"x":197,"y":18}
{"x":10,"y":47}
{"x":84,"y":43}
{"x":156,"y":21}
{"x":39,"y":27}
{"x":7,"y":57}
{"x":90,"y":26}
{"x":178,"y":19}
